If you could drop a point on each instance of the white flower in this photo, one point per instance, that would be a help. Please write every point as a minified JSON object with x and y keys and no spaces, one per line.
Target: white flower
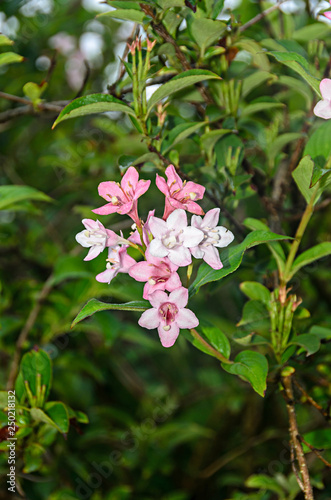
{"x":172,"y":238}
{"x":97,"y":237}
{"x":323,"y":108}
{"x":214,"y":236}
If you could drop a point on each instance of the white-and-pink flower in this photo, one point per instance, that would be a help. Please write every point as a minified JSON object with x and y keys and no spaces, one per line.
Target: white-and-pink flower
{"x":323,"y":107}
{"x":159,"y":274}
{"x":214,"y":237}
{"x":118,"y":262}
{"x":168,"y":315}
{"x":123,"y":198}
{"x":173,"y":239}
{"x":179,"y":194}
{"x":96,"y":237}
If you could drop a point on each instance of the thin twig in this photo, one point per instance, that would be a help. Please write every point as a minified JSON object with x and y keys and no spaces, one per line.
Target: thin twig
{"x":260,"y":16}
{"x":26,"y":330}
{"x":315,"y":450}
{"x":311,"y":400}
{"x":294,"y":433}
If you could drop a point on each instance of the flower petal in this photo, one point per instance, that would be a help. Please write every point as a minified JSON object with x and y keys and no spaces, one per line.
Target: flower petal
{"x":94,"y":252}
{"x":226,"y":237}
{"x":109,"y":208}
{"x":173,"y":177}
{"x":109,"y":189}
{"x":157,"y":248}
{"x":157,"y":298}
{"x":193,"y":208}
{"x":173,"y":282}
{"x":180,"y":256}
{"x":157,"y":226}
{"x":141,"y":271}
{"x":141,"y":188}
{"x":149,"y":319}
{"x":130,"y":180}
{"x":107,"y":275}
{"x":177,"y":219}
{"x":168,"y":338}
{"x":211,"y":256}
{"x":186,"y":319}
{"x":211,"y":218}
{"x":179,"y":297}
{"x":162,"y":185}
{"x":325,"y":88}
{"x":323,"y":109}
{"x":193,"y":190}
{"x":191,"y":237}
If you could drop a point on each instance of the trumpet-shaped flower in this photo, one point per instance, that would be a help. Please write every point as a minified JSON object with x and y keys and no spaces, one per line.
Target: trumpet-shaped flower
{"x":135,"y":237}
{"x":214,"y":236}
{"x":159,"y":274}
{"x":323,"y":108}
{"x":172,"y":238}
{"x":179,"y":194}
{"x":97,"y":237}
{"x":123,"y":198}
{"x":118,"y":262}
{"x":168,"y":315}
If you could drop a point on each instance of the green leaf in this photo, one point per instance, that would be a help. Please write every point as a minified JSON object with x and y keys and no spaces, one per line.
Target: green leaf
{"x":321,"y":332}
{"x":123,"y":4}
{"x":218,"y":340}
{"x":40,"y":416}
{"x":95,"y":305}
{"x":180,"y":82}
{"x":33,"y":364}
{"x":4,"y":40}
{"x":256,"y":291}
{"x":32,"y":457}
{"x":231,"y":258}
{"x":317,"y":252}
{"x":206,"y":31}
{"x":280,"y":142}
{"x":265,"y":482}
{"x":320,"y":174}
{"x":209,"y":139}
{"x":10,"y":58}
{"x":302,"y":176}
{"x":34,"y":91}
{"x":58,"y":413}
{"x":321,"y":438}
{"x":298,"y":64}
{"x":309,"y":342}
{"x":253,"y":312}
{"x":137,"y":16}
{"x":252,"y":367}
{"x":275,"y":248}
{"x":11,"y":195}
{"x":179,"y":133}
{"x":93,"y":103}
{"x":260,"y":106}
{"x":311,"y":31}
{"x":256,"y":79}
{"x":319,"y":144}
{"x":168,"y":4}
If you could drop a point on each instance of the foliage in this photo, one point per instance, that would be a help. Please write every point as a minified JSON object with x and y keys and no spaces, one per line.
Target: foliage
{"x":102,"y":410}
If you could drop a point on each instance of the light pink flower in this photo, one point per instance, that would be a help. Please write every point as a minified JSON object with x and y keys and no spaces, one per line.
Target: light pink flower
{"x":328,"y":13}
{"x":172,"y":238}
{"x":179,"y":194}
{"x":159,"y":274}
{"x":214,"y":236}
{"x":97,"y":237}
{"x":123,"y":198}
{"x":323,"y":108}
{"x":118,"y":262}
{"x":168,"y":315}
{"x":147,"y":235}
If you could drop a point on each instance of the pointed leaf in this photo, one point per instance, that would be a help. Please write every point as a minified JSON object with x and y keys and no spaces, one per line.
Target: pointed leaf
{"x":11,"y":195}
{"x":136,"y":16}
{"x":4,"y":40}
{"x":179,"y":133}
{"x":218,"y":340}
{"x":180,"y":82}
{"x":302,"y":176}
{"x":252,"y":367}
{"x":231,"y":258}
{"x":58,"y":413}
{"x":95,"y":305}
{"x":309,"y":256}
{"x":311,"y":343}
{"x":93,"y":103}
{"x":10,"y":58}
{"x":256,"y":291}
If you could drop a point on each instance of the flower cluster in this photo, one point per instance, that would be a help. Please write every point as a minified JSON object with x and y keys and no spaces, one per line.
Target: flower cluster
{"x":166,"y":245}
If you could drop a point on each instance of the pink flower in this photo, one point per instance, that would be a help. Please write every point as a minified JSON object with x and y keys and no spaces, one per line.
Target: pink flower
{"x":147,"y":235}
{"x":123,"y":198}
{"x":97,"y":237}
{"x":168,"y":315}
{"x":323,"y":108}
{"x":179,"y":194}
{"x":214,"y":236}
{"x":172,"y":238}
{"x":159,"y":274}
{"x":118,"y":262}
{"x":328,"y":15}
